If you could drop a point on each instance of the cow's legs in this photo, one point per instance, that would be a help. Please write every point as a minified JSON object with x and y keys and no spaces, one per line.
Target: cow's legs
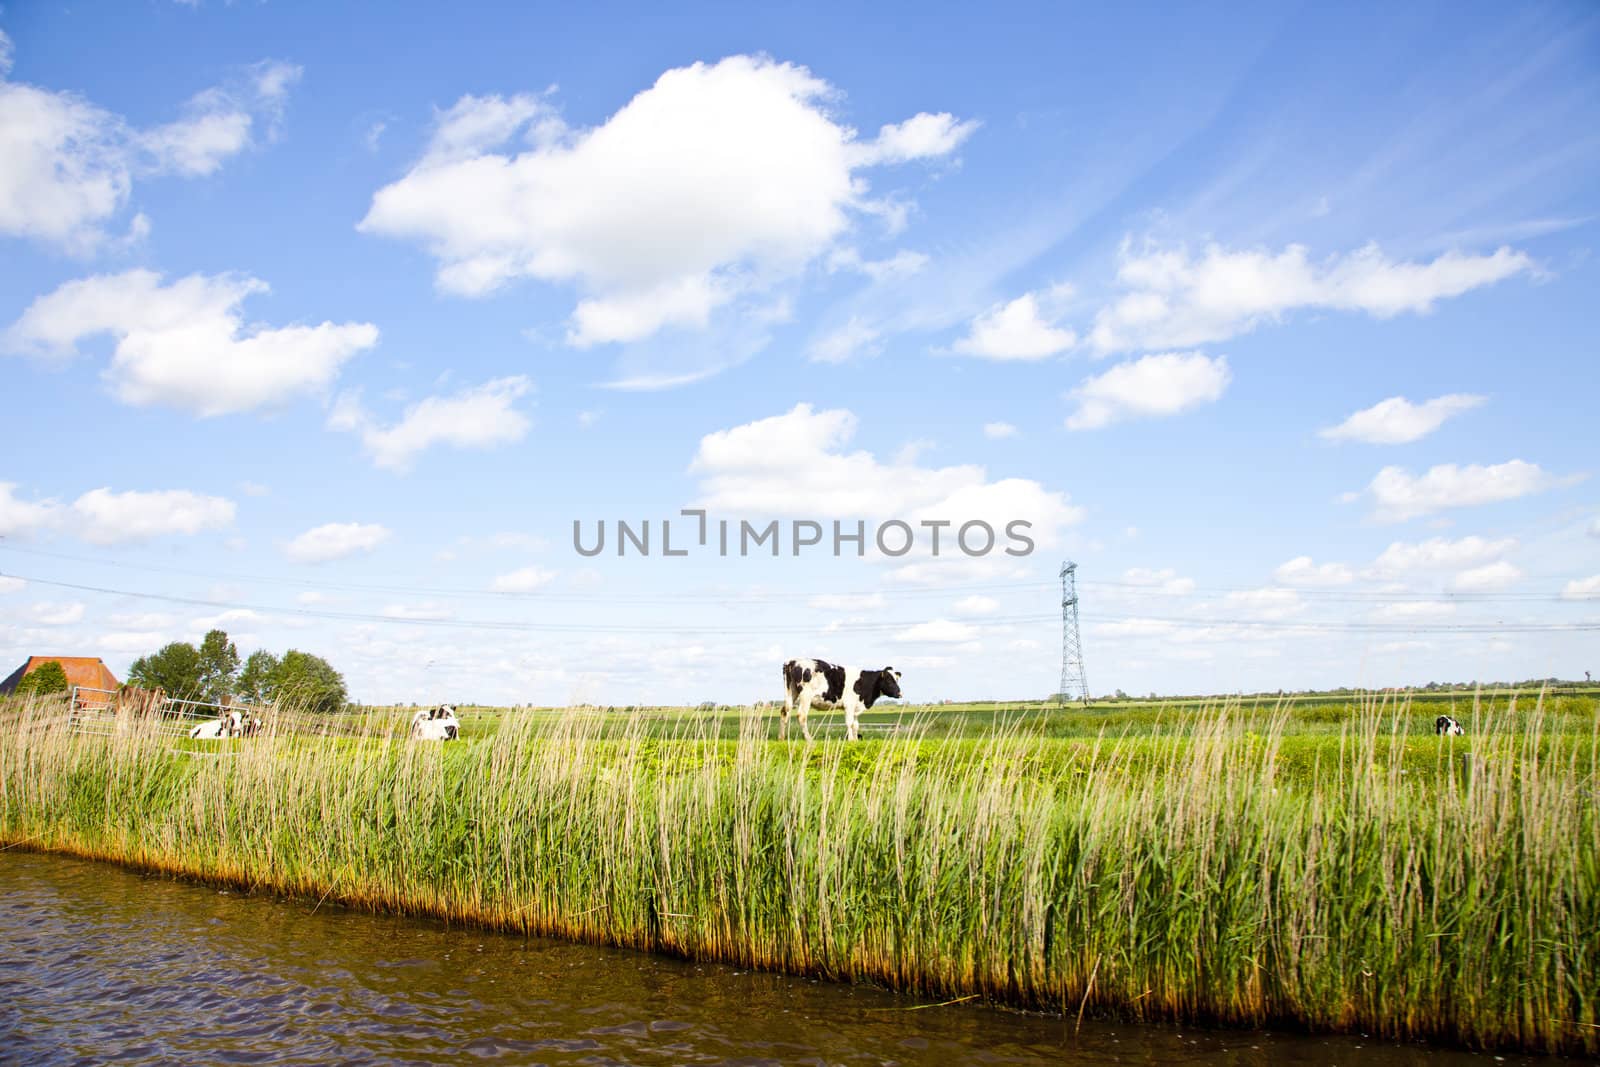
{"x":803,"y":710}
{"x":783,"y":716}
{"x":852,"y":720}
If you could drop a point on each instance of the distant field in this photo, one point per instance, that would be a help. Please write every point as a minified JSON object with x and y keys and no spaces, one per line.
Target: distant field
{"x":1328,"y":863}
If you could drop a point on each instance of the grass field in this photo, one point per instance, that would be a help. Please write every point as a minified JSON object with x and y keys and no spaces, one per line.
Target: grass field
{"x":1325,"y":864}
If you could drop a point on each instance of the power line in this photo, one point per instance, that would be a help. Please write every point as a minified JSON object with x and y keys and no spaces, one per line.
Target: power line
{"x":680,"y":628}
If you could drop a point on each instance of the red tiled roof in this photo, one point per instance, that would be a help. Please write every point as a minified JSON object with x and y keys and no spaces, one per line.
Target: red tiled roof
{"x":87,"y":671}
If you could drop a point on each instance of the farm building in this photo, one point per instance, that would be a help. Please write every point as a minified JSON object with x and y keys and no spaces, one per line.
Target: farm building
{"x":90,"y":672}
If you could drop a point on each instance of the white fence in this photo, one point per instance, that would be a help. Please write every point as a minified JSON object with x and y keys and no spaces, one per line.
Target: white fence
{"x":94,"y":711}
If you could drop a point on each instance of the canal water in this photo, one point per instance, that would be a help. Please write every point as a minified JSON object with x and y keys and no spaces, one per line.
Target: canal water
{"x":100,"y":964}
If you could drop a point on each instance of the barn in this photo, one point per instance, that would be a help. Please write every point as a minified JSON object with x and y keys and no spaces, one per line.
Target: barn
{"x":89,"y":672}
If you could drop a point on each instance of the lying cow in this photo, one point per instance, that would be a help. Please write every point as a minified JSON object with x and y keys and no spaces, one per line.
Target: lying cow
{"x":808,"y":682}
{"x":1444,"y":724}
{"x":436,"y":724}
{"x":230,"y":725}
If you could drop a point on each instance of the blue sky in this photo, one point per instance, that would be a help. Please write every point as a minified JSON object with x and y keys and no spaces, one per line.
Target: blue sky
{"x":325,"y":326}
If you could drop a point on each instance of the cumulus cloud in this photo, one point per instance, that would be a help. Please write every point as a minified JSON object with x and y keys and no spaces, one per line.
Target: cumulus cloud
{"x":478,"y":417}
{"x":523,"y":580}
{"x":1153,"y":386}
{"x":1174,"y":299}
{"x":1582,"y":588}
{"x":418,"y":612}
{"x":335,"y":540}
{"x":1302,"y":571}
{"x":846,"y":602}
{"x":977,"y":605}
{"x":999,"y":430}
{"x":937,"y":631}
{"x":46,"y":613}
{"x":8,"y":584}
{"x":1269,"y":603}
{"x":1399,"y":495}
{"x":20,"y":518}
{"x":186,"y":345}
{"x":922,"y":136}
{"x":67,"y":166}
{"x":796,"y":464}
{"x":713,"y":183}
{"x":103,"y":517}
{"x":1490,"y":576}
{"x":1397,"y":421}
{"x":1024,"y":329}
{"x":1437,"y":553}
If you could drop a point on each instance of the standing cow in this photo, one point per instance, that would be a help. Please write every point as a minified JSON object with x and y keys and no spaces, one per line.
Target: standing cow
{"x":808,"y":682}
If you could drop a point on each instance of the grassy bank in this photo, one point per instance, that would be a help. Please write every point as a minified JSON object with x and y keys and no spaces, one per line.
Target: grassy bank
{"x":1232,"y":864}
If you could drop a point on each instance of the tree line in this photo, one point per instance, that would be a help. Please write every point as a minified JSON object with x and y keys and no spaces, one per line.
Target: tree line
{"x":214,"y":671}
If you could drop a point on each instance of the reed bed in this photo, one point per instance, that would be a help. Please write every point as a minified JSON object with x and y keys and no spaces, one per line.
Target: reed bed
{"x":1222,"y":869}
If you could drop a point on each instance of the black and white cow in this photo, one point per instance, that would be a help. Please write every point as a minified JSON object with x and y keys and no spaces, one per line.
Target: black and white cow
{"x":1444,"y":724}
{"x":230,"y":725}
{"x":436,"y":724}
{"x":808,"y":682}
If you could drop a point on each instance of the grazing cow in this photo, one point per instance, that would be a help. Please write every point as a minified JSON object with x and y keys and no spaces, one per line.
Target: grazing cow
{"x":436,"y":724}
{"x":1444,"y":724}
{"x":808,"y":682}
{"x":230,"y":725}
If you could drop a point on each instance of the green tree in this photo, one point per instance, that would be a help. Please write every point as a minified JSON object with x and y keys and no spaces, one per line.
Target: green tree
{"x":47,"y":677}
{"x":176,"y":669}
{"x":307,"y":681}
{"x":219,"y":666}
{"x":255,"y":681}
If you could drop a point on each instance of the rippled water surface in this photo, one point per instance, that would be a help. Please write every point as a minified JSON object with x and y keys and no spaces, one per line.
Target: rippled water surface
{"x":98,"y":963}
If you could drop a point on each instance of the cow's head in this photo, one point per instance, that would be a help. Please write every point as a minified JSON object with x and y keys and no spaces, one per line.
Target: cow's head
{"x":889,"y":682}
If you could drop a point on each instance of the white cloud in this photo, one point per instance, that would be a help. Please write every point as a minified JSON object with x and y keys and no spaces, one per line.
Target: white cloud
{"x":1489,"y":576}
{"x":1019,"y":330}
{"x":922,"y":136}
{"x":21,"y":517}
{"x":1437,"y":553}
{"x":1175,"y":300}
{"x":1594,"y":528}
{"x":335,"y":540}
{"x":1268,"y":603}
{"x":1153,"y":386}
{"x":49,"y":614}
{"x":141,"y":641}
{"x":854,"y":338}
{"x":8,"y":584}
{"x":1413,"y":611}
{"x":1135,"y":628}
{"x":186,"y":345}
{"x":67,"y":167}
{"x":103,"y":517}
{"x":479,"y":417}
{"x":999,"y":430}
{"x":903,"y":264}
{"x":840,"y":602}
{"x":938,"y":631}
{"x":1165,"y":580}
{"x":795,"y":465}
{"x":1400,"y":495}
{"x":418,"y":612}
{"x":524,"y":580}
{"x":1582,"y":588}
{"x":249,"y":488}
{"x":1397,"y":421}
{"x":713,"y":183}
{"x":1302,"y":571}
{"x":977,"y":605}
